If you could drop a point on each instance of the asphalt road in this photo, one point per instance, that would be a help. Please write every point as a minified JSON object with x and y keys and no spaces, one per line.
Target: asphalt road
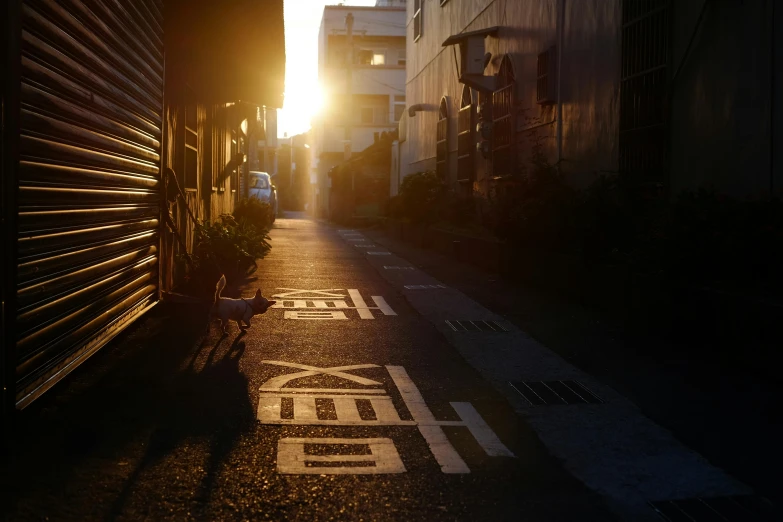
{"x":167,"y":423}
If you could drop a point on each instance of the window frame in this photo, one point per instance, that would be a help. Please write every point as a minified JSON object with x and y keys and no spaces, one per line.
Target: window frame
{"x":442,"y":140}
{"x":466,"y":138}
{"x":418,"y":17}
{"x":502,"y":120}
{"x":190,"y":181}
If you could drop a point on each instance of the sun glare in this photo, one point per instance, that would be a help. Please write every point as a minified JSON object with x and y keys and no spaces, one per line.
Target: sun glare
{"x":303,"y":102}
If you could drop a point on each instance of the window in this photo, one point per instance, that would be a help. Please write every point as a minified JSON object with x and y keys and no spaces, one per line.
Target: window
{"x":545,"y":81}
{"x":371,"y":109}
{"x":502,"y":128}
{"x":364,"y":57}
{"x":465,"y":137}
{"x":191,"y":147}
{"x":644,"y":77}
{"x":399,"y":106}
{"x":442,"y":144}
{"x":401,"y":57}
{"x":417,"y":22}
{"x":378,"y":58}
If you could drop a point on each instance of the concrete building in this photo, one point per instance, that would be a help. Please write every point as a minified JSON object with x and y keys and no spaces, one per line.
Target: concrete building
{"x":681,"y":94}
{"x":361,"y":69}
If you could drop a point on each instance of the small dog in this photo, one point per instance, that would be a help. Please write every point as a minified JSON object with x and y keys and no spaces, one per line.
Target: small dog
{"x":239,"y":310}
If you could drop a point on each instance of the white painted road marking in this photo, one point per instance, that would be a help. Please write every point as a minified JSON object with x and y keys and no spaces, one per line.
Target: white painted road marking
{"x":347,"y":411}
{"x":296,"y":303}
{"x":305,"y":315}
{"x":292,"y":459}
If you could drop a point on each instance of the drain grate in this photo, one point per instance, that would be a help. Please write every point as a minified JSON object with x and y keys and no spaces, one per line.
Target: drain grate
{"x":424,"y":287}
{"x":734,"y":508}
{"x":541,"y":393}
{"x":379,"y":253}
{"x":475,"y":326}
{"x":387,"y":267}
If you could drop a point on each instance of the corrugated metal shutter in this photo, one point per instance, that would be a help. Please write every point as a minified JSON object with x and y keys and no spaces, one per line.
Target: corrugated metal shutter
{"x":92,"y":98}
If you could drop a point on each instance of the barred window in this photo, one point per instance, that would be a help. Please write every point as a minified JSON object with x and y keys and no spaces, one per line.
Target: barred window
{"x":502,"y":125}
{"x":442,"y":144}
{"x":643,"y":84}
{"x":465,"y":136}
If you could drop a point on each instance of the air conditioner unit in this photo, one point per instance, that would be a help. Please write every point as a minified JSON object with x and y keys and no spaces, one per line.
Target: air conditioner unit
{"x":546,"y":81}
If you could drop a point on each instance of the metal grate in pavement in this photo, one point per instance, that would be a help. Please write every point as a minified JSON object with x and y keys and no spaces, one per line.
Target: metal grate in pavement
{"x":548,"y":393}
{"x":424,"y":287}
{"x":738,"y":508}
{"x":475,"y":326}
{"x":388,"y":267}
{"x":379,"y":253}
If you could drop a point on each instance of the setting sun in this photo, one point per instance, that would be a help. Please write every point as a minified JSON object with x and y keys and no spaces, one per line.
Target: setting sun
{"x":303,"y":96}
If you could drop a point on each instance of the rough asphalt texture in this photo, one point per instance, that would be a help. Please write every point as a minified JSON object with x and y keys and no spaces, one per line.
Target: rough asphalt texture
{"x":161,"y":424}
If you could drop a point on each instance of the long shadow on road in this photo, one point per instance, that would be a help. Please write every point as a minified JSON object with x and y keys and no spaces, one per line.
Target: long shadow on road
{"x":101,"y":445}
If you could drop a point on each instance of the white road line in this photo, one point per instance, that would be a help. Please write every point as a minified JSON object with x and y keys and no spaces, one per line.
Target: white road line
{"x":335,"y":371}
{"x":346,"y":409}
{"x":321,"y":390}
{"x":443,"y":451}
{"x":361,"y":305}
{"x":385,"y":410}
{"x":291,"y":457}
{"x":382,"y":305}
{"x":268,"y":408}
{"x":314,"y":316}
{"x":320,"y":304}
{"x":304,"y":408}
{"x":481,"y":430}
{"x":410,"y":394}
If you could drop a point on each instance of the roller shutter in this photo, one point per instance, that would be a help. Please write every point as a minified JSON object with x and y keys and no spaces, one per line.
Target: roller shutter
{"x":89,"y":179}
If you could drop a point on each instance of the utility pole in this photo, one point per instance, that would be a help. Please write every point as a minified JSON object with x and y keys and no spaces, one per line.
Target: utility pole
{"x":348,"y":113}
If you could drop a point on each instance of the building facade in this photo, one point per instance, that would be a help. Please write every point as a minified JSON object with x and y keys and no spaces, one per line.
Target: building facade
{"x":123,"y":123}
{"x":681,"y":94}
{"x":361,"y":69}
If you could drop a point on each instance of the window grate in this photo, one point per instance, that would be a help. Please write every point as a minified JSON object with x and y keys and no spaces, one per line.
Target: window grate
{"x":549,"y":393}
{"x":546,"y":81}
{"x":502,"y":127}
{"x":465,"y":136}
{"x":738,"y":507}
{"x":442,"y":144}
{"x":644,"y":84}
{"x":475,"y":326}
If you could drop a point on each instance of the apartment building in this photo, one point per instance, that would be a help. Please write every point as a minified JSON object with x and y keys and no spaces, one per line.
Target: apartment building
{"x":361,"y":69}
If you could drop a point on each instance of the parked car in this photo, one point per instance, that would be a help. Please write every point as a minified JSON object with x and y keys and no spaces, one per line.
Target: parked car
{"x":261,"y":187}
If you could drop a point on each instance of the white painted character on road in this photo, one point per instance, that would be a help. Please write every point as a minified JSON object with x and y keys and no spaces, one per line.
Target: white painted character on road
{"x":292,"y":458}
{"x":328,"y":304}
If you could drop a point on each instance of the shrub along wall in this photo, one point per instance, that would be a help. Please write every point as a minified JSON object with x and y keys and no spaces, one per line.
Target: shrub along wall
{"x":700,"y":263}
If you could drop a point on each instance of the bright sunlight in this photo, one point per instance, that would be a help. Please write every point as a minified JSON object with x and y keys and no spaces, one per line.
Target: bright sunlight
{"x":303,"y":97}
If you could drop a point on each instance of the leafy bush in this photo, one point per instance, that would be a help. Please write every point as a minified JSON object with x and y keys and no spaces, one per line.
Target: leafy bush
{"x":421,"y":195}
{"x":253,"y":211}
{"x":225,"y":246}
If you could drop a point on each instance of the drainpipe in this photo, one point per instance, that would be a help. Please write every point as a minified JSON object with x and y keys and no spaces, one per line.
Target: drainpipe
{"x":559,"y":116}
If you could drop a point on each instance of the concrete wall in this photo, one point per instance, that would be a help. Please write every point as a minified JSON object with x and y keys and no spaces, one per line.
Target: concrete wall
{"x":725,"y":124}
{"x":722,"y":105}
{"x":590,"y":78}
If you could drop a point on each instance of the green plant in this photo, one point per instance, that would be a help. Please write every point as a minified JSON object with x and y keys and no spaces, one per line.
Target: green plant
{"x":421,"y":195}
{"x":255,"y":212}
{"x":225,"y":246}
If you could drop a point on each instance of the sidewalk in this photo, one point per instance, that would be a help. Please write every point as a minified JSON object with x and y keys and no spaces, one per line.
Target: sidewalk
{"x":725,"y":414}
